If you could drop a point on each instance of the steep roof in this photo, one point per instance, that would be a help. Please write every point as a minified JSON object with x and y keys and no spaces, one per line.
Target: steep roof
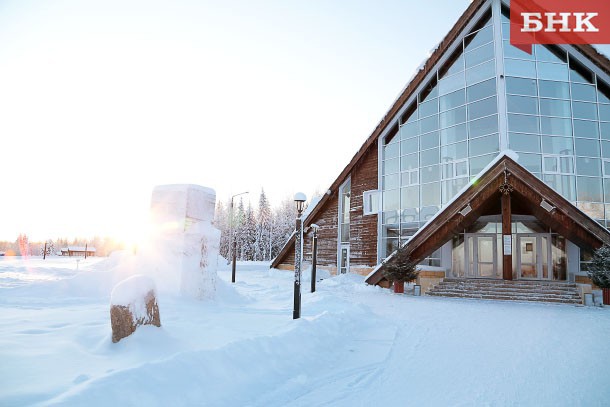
{"x":530,"y":192}
{"x":600,"y":60}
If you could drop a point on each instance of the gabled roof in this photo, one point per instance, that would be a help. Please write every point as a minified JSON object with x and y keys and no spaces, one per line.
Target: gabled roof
{"x":600,"y":60}
{"x":542,"y":201}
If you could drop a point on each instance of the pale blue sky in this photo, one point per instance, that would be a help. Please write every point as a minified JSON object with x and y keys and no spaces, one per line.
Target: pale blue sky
{"x":102,"y":100}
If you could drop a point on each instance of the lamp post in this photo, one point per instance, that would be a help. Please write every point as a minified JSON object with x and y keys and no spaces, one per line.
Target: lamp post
{"x":233,"y":245}
{"x":314,"y":256}
{"x":299,"y":199}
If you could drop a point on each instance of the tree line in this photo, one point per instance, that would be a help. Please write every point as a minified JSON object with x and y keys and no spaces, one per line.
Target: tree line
{"x":260,"y":233}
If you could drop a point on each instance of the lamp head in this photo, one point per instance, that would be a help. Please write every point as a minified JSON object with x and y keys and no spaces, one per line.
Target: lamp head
{"x":299,"y":199}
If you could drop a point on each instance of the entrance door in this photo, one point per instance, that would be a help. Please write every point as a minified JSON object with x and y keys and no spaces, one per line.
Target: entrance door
{"x":344,"y":259}
{"x":534,"y":256}
{"x":481,"y":255}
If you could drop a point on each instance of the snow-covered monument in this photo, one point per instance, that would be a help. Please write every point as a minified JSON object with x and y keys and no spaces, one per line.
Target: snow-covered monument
{"x":184,"y":242}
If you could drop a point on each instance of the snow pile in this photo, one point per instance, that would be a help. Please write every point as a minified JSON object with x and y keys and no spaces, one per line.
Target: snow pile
{"x":132,"y":293}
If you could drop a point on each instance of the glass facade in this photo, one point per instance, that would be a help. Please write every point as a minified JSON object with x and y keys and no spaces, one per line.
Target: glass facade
{"x":555,"y":114}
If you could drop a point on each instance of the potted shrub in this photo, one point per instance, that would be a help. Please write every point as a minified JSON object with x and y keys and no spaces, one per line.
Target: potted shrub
{"x":599,"y":271}
{"x":399,"y":269}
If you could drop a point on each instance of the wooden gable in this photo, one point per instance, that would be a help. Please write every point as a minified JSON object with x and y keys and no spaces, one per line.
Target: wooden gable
{"x":485,"y":192}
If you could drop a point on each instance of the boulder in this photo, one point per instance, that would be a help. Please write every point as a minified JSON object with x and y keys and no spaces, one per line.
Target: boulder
{"x":133,"y":302}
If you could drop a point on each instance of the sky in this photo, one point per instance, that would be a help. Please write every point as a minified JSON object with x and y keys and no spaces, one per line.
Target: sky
{"x":101,"y":101}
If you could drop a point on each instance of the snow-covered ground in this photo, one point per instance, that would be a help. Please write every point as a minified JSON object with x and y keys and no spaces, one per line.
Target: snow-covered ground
{"x":356,"y":345}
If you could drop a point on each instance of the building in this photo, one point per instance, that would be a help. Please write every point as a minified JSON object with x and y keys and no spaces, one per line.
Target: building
{"x":424,"y":180}
{"x":78,"y":251}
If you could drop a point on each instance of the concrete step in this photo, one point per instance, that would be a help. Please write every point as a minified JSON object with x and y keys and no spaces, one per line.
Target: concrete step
{"x":519,"y":290}
{"x":528,"y":298}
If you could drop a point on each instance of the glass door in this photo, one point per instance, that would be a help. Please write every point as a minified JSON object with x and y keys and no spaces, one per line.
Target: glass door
{"x":481,"y":255}
{"x":534,"y":256}
{"x":344,"y":259}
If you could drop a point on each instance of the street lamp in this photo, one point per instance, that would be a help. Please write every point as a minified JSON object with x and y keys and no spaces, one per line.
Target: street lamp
{"x":299,"y":199}
{"x":233,"y":245}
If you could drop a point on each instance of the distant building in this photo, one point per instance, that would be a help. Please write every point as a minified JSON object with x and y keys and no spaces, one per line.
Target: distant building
{"x":72,"y":251}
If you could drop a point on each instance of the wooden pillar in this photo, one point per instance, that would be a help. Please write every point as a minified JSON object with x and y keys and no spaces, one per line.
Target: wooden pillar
{"x":507,"y":245}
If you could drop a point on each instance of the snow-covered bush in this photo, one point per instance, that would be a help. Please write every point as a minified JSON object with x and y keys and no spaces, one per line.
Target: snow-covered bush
{"x":599,"y":269}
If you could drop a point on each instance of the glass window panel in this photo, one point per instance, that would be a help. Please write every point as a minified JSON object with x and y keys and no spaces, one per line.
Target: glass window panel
{"x":427,"y":213}
{"x":529,"y":143}
{"x":451,"y":188}
{"x":409,"y":146}
{"x":589,"y":189}
{"x":430,"y":194}
{"x":557,"y":145}
{"x":431,"y":173}
{"x":532,"y":162}
{"x":555,"y":107}
{"x":474,"y":40}
{"x":557,"y":90}
{"x":605,"y":130}
{"x":482,"y":108}
{"x":583,"y":92}
{"x":428,"y":140}
{"x":517,"y":67}
{"x":454,"y":151}
{"x":505,"y":30}
{"x":409,"y":162}
{"x":584,"y":128}
{"x":585,"y":110}
{"x":429,"y":92}
{"x":390,"y":166}
{"x":479,"y":55}
{"x":565,"y":185}
{"x":410,"y":178}
{"x":546,"y":54}
{"x":588,"y":166}
{"x":461,"y":168}
{"x":556,"y":126}
{"x":478,"y":163}
{"x":410,"y":197}
{"x":603,"y":92}
{"x":521,"y":86}
{"x":607,"y":196}
{"x":579,"y":73}
{"x":428,"y":108}
{"x":453,"y":134}
{"x":522,"y":104}
{"x":409,"y":130}
{"x":522,"y":123}
{"x":391,"y":200}
{"x":452,"y":117}
{"x":586,"y":147}
{"x":606,"y":149}
{"x":483,"y":126}
{"x":451,"y":83}
{"x":391,"y":150}
{"x":481,"y":72}
{"x":604,"y":112}
{"x":456,"y":65}
{"x":452,"y":100}
{"x":429,"y":157}
{"x":484,"y":145}
{"x":481,"y":90}
{"x":428,"y":124}
{"x":390,"y":181}
{"x":566,"y":164}
{"x":557,"y":72}
{"x":510,"y":51}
